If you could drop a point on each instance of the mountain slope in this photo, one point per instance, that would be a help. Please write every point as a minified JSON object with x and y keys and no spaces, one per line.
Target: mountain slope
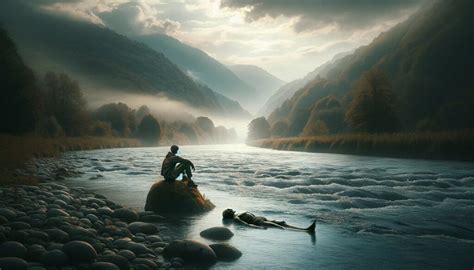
{"x":261,"y":80}
{"x":99,"y":57}
{"x":289,"y":89}
{"x":428,"y":60}
{"x":202,"y":67}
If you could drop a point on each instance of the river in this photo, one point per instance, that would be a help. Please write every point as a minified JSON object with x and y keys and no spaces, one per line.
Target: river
{"x":371,"y":212}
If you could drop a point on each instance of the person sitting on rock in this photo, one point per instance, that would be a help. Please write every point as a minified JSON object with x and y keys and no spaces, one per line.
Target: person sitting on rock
{"x":173,"y":166}
{"x":252,"y":220}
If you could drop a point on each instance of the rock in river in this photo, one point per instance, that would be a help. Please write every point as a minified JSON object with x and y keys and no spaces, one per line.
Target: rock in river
{"x":226,"y":252}
{"x":191,"y":251}
{"x":176,"y":197}
{"x":217,"y":233}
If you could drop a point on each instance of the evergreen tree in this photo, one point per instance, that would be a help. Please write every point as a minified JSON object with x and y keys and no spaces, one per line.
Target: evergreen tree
{"x":373,"y":106}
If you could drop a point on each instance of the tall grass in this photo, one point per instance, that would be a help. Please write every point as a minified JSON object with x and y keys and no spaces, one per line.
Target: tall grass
{"x":15,"y":151}
{"x":429,"y":145}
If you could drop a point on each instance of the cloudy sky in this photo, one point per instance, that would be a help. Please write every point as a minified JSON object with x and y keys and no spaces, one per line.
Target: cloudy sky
{"x":286,"y":37}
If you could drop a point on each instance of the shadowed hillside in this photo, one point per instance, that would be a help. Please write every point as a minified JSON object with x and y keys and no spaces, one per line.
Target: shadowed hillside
{"x":201,"y":67}
{"x":101,"y":58}
{"x":427,"y":61}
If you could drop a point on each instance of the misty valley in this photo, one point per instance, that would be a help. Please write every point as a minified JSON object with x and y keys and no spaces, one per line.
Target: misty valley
{"x":236,"y":134}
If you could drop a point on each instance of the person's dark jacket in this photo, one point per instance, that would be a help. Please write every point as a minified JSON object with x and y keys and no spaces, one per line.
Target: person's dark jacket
{"x":169,"y":164}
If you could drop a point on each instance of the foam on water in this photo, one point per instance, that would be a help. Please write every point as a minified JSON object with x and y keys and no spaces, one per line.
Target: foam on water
{"x":423,"y":209}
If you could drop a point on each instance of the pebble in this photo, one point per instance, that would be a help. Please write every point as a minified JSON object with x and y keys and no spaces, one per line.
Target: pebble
{"x":104,"y":266}
{"x":80,"y":251}
{"x":126,"y":214}
{"x":13,"y":263}
{"x":55,"y":258}
{"x":142,"y":227}
{"x":118,"y":260}
{"x":127,"y":254}
{"x":12,"y":249}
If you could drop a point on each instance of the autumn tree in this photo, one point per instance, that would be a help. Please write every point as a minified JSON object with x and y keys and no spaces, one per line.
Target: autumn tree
{"x":373,"y":106}
{"x":259,"y":128}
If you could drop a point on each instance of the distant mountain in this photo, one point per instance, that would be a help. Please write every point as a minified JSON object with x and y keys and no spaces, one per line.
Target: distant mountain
{"x":265,"y":83}
{"x":102,"y":59}
{"x":203,"y":68}
{"x":428,"y":59}
{"x":289,"y":89}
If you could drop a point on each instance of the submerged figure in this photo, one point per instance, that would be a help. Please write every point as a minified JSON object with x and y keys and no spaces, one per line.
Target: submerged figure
{"x":173,"y":166}
{"x":252,"y":220}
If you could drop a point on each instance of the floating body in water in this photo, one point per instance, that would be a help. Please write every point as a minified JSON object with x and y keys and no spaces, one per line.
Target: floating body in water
{"x":252,"y":220}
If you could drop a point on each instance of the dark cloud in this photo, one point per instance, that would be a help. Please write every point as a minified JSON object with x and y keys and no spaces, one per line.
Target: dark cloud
{"x":315,"y":14}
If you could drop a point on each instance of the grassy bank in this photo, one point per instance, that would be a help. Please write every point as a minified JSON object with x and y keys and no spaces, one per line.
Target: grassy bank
{"x":16,"y":150}
{"x":439,"y":145}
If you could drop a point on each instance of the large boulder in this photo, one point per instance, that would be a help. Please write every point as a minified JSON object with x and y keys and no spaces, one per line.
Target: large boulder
{"x":226,"y":252}
{"x":191,"y":251}
{"x":176,"y":197}
{"x":217,"y":233}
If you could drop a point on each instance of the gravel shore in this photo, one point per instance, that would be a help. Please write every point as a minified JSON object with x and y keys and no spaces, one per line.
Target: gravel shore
{"x":53,"y":226}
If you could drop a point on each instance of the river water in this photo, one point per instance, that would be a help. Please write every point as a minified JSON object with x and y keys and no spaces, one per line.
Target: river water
{"x":371,"y":212}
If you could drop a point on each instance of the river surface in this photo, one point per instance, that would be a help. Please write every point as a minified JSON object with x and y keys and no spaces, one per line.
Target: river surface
{"x":371,"y":212}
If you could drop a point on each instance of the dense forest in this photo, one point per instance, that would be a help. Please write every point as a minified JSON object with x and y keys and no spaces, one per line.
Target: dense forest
{"x":53,"y":106}
{"x":418,"y":76}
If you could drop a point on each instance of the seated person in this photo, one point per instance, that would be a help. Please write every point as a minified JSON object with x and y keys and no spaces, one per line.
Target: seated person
{"x":252,"y":220}
{"x":173,"y":166}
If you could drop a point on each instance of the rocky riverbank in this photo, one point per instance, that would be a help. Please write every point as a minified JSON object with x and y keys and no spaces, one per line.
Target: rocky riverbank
{"x":52,"y":226}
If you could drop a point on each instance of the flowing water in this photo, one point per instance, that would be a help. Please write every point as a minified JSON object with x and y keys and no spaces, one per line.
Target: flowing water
{"x":371,"y":212}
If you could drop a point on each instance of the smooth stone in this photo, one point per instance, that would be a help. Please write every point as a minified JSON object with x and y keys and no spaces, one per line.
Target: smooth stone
{"x":12,"y":249}
{"x":118,"y":260}
{"x":105,"y":211}
{"x":80,"y":251}
{"x":151,"y":218}
{"x":122,"y":242}
{"x":191,"y":250}
{"x":146,"y":262}
{"x":217,"y":233}
{"x":54,"y":246}
{"x":18,"y":225}
{"x":57,"y":235}
{"x":104,"y":266}
{"x":35,"y":253}
{"x":3,"y":220}
{"x":7,"y":213}
{"x":55,"y":258}
{"x":142,"y":227}
{"x":127,"y":254}
{"x":55,"y":212}
{"x":226,"y":252}
{"x":159,"y":244}
{"x":153,"y":238}
{"x":13,"y":263}
{"x":92,"y":217}
{"x":136,"y":248}
{"x":126,"y":214}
